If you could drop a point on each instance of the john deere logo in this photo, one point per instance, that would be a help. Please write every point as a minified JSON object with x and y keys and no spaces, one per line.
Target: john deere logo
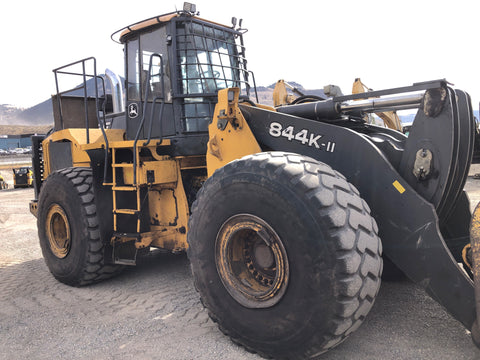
{"x":133,"y":110}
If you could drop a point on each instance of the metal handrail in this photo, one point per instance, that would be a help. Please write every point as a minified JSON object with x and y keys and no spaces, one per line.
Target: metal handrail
{"x":84,"y":75}
{"x":254,"y":85}
{"x":152,"y":112}
{"x":100,"y":118}
{"x":142,"y":121}
{"x":57,"y":71}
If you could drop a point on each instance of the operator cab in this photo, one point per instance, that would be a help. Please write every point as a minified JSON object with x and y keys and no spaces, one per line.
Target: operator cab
{"x":175,"y":65}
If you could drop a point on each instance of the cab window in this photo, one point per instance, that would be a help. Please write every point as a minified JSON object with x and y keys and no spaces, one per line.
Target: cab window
{"x":139,"y":53}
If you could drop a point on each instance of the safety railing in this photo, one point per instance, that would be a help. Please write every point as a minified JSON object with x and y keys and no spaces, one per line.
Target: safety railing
{"x":83,"y":90}
{"x":152,"y":111}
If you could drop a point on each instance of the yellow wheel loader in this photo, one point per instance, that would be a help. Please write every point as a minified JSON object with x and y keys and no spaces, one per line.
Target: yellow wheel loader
{"x":22,"y":177}
{"x":285,"y":213}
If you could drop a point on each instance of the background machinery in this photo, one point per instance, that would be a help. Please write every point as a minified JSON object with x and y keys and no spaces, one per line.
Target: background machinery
{"x":22,"y":177}
{"x":3,"y":183}
{"x":285,"y":213}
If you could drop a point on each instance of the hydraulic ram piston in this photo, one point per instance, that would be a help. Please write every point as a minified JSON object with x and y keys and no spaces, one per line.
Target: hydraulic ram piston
{"x":382,"y":104}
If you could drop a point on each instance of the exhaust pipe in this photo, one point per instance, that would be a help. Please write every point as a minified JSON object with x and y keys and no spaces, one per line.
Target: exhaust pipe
{"x":117,"y":91}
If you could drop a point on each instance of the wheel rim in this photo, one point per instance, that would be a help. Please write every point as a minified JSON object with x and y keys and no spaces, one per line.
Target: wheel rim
{"x":58,"y":231}
{"x":251,"y":261}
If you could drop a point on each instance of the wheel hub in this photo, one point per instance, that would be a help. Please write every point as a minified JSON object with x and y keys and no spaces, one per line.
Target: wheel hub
{"x":251,"y":261}
{"x":58,"y":231}
{"x":263,"y":255}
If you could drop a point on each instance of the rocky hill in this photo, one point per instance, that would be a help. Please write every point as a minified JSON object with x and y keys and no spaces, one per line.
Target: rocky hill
{"x":40,"y":114}
{"x":8,"y":113}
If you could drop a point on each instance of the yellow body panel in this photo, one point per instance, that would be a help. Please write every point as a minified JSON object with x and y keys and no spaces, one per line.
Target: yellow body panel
{"x":168,"y":209}
{"x":164,"y":170}
{"x":167,"y":203}
{"x":169,"y":213}
{"x":80,"y":135}
{"x":78,"y":141}
{"x":230,"y":137}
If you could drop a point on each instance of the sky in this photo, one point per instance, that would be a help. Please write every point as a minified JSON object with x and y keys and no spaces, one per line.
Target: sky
{"x":315,"y":43}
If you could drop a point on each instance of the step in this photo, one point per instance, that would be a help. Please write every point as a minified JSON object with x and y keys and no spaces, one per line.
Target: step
{"x":124,"y":188}
{"x":122,"y":235}
{"x":126,"y":211}
{"x":123,"y":165}
{"x":124,"y":252}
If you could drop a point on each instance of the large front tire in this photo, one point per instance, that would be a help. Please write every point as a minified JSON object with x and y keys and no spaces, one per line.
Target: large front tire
{"x":284,"y":253}
{"x":69,"y":231}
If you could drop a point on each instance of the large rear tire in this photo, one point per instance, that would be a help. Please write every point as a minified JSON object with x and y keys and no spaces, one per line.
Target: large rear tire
{"x":284,"y":253}
{"x":68,"y":229}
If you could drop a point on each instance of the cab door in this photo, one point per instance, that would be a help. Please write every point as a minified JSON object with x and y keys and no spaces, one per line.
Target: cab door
{"x":148,"y":86}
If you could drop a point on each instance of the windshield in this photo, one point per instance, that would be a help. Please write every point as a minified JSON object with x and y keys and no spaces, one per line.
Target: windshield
{"x":20,"y":171}
{"x":208,"y":57}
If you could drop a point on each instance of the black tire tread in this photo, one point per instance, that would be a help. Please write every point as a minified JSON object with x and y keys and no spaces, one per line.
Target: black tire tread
{"x":358,"y":262}
{"x":94,"y":269}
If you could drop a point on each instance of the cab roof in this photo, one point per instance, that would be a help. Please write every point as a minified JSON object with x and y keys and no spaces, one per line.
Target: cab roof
{"x":156,"y":20}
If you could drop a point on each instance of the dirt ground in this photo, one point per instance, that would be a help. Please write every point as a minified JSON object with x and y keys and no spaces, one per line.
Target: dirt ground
{"x":152,"y":311}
